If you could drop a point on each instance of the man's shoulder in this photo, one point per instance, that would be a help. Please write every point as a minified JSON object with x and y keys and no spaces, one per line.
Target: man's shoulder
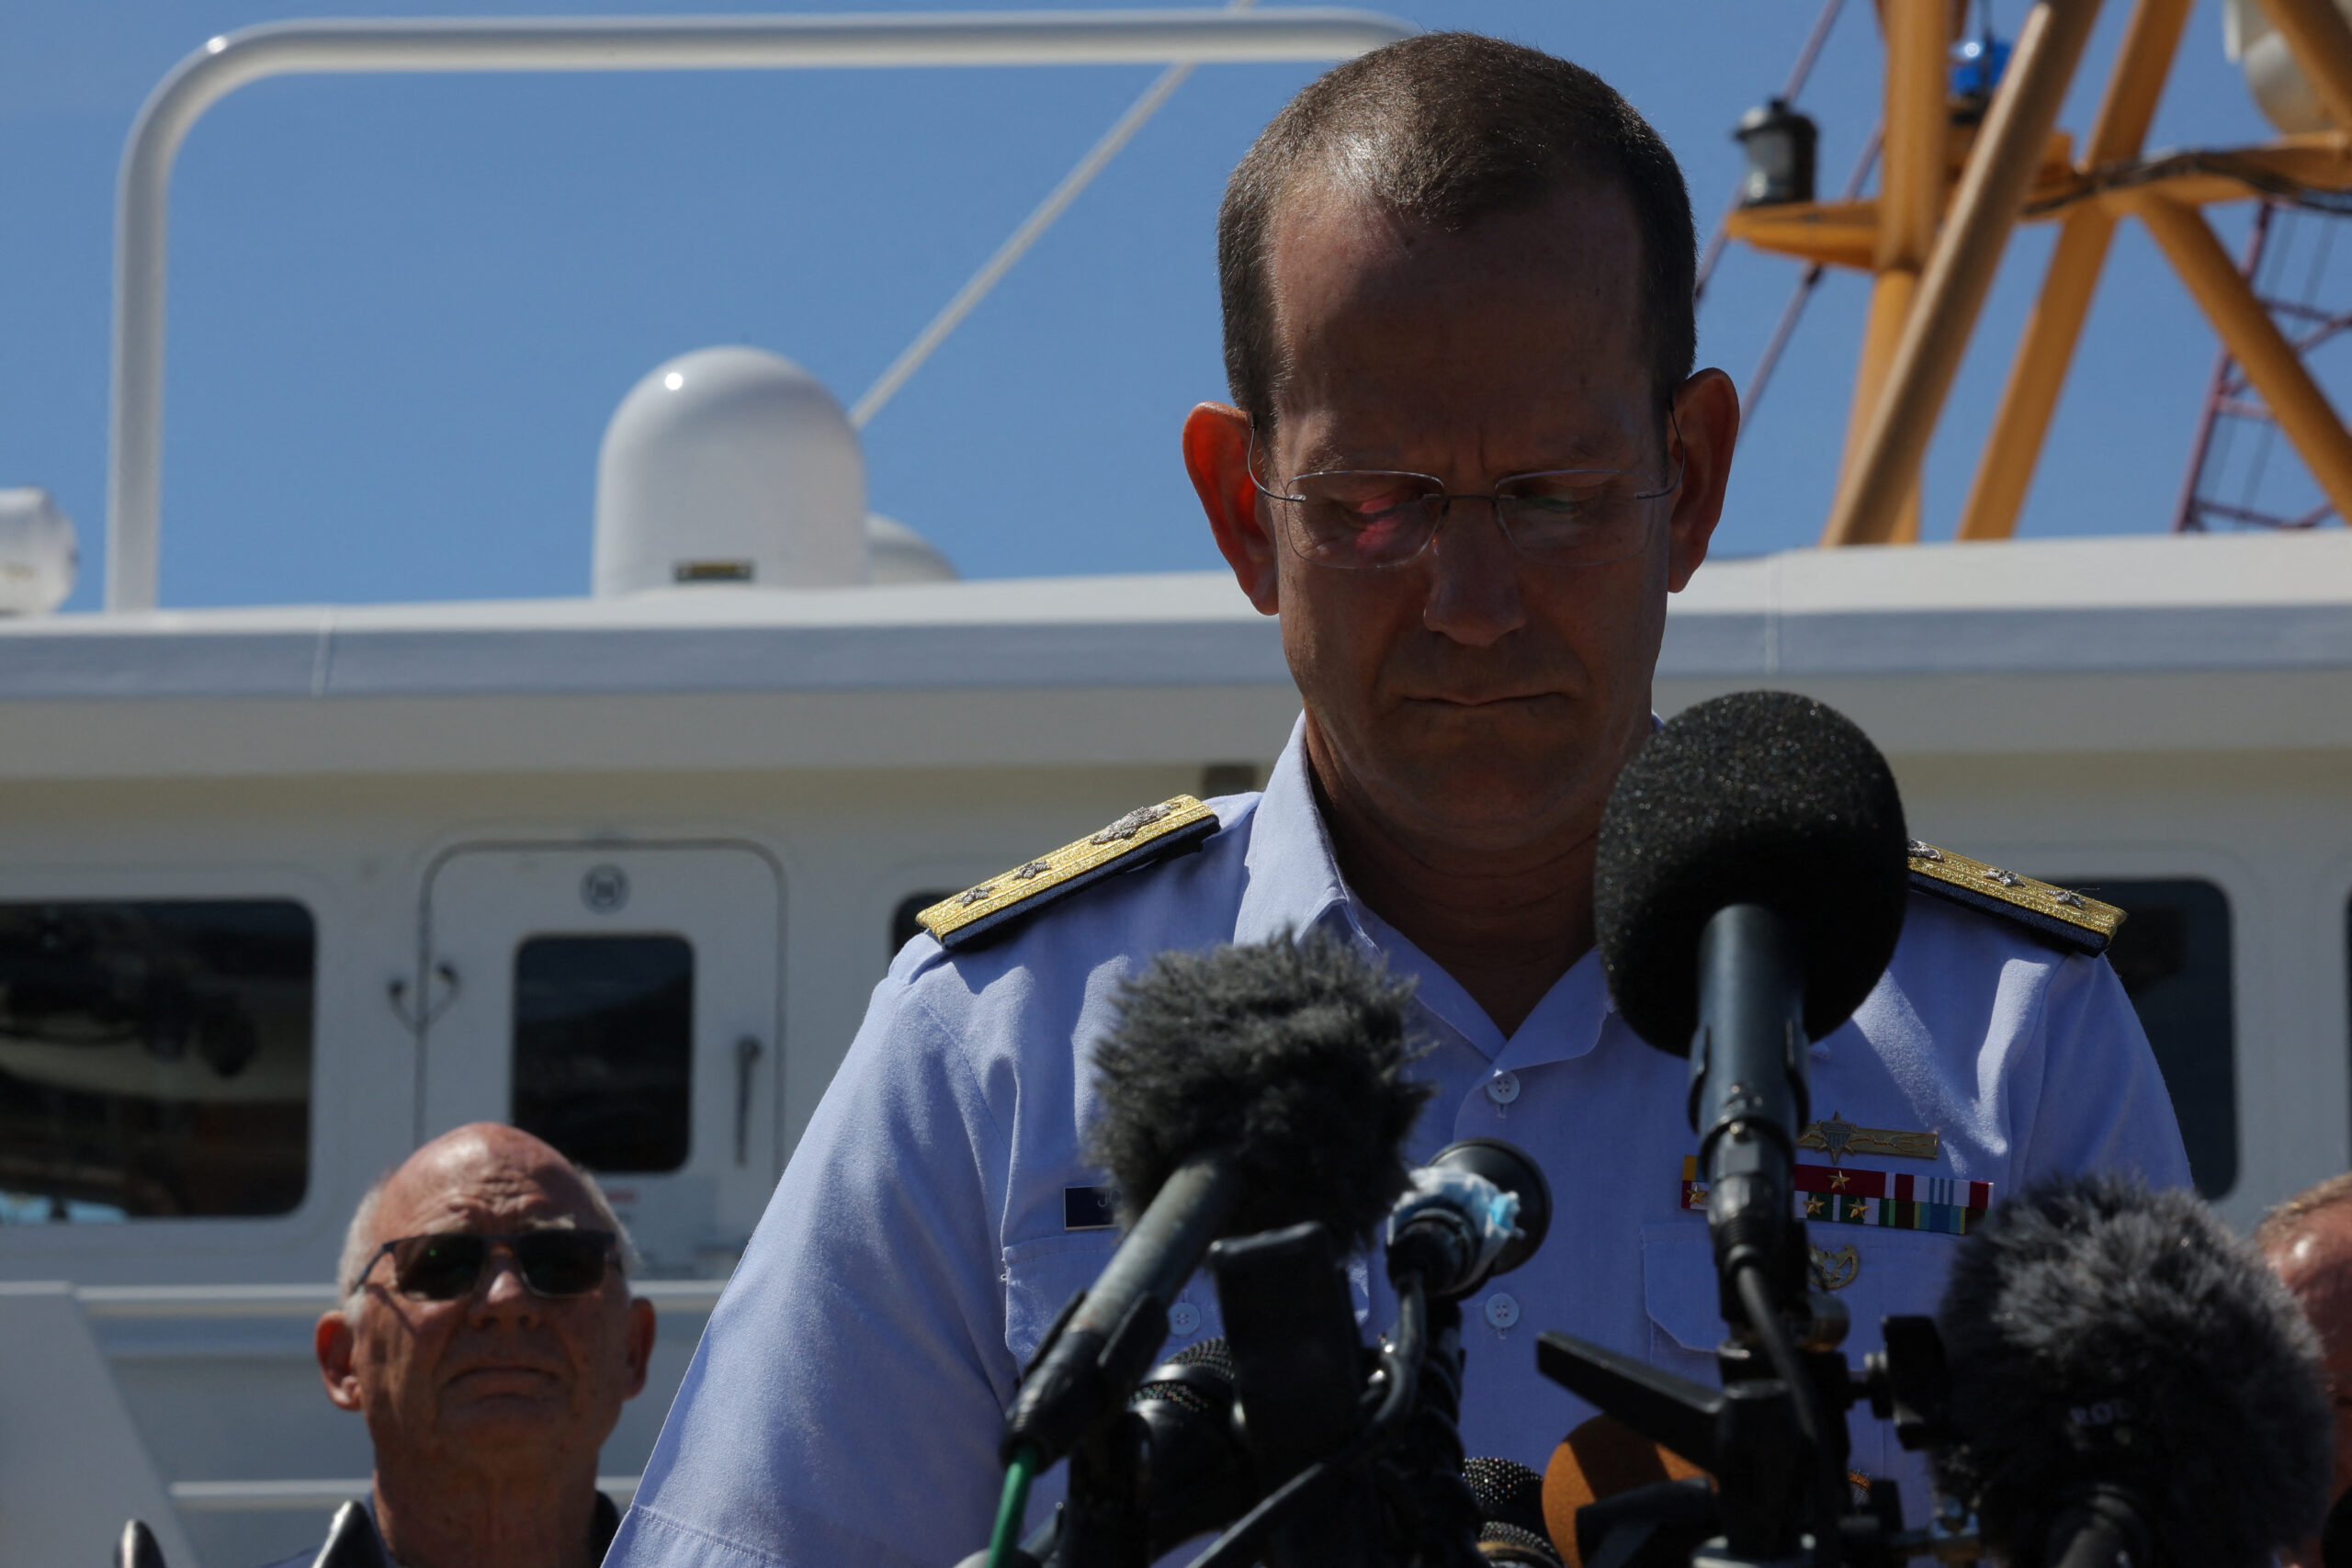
{"x":352,"y":1540}
{"x":1145,"y":837}
{"x":1984,"y":957}
{"x":1166,"y":875}
{"x":1984,"y":951}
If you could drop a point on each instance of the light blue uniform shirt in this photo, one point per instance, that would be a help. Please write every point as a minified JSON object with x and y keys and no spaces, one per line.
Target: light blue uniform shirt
{"x":844,"y":1405}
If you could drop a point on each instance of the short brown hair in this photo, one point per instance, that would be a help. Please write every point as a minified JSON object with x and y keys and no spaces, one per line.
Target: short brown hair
{"x":1458,"y":125}
{"x":2288,"y":1218}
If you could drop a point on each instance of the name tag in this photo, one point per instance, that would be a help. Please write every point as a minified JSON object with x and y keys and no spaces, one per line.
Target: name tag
{"x":1087,"y":1209}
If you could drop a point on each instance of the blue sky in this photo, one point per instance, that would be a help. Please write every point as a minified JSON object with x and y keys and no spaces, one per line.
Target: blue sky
{"x":403,"y":307}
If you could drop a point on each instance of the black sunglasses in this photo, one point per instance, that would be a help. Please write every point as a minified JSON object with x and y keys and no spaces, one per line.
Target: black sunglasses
{"x":446,"y":1266}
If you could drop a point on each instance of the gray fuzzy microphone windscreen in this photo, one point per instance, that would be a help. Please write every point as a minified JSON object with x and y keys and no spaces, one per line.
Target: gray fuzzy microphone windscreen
{"x":2099,"y":1332}
{"x":1291,"y":1052}
{"x":1758,"y":797}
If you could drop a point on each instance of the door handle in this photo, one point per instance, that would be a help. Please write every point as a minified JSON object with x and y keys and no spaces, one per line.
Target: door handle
{"x":747,"y":1057}
{"x":420,"y":1014}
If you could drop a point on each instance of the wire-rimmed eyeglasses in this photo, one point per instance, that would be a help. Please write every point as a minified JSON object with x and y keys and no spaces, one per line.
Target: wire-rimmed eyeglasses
{"x":1359,"y":518}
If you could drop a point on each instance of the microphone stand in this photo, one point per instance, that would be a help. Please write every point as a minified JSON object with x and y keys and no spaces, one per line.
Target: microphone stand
{"x":1351,"y":1459}
{"x":1306,"y":1428}
{"x":1774,"y":1435}
{"x":1421,"y":1478}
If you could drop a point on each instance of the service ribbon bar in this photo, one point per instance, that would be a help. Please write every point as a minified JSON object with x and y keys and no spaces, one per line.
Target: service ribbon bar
{"x":1846,"y":1196}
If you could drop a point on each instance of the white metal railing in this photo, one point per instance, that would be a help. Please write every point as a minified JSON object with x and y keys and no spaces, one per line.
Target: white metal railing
{"x":315,"y":1496}
{"x":217,"y":1303}
{"x":134,"y":480}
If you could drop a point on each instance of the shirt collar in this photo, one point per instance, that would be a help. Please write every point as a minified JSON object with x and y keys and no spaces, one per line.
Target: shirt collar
{"x":1295,"y":884}
{"x":1294,"y":878}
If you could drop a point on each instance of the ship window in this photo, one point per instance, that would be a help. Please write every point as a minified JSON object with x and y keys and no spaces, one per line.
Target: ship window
{"x":603,"y":1048}
{"x":2173,"y":956}
{"x":154,"y":1059}
{"x":904,"y":927}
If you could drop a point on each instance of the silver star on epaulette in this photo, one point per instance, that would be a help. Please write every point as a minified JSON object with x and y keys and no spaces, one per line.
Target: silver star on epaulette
{"x":1035,"y":868}
{"x":2006,"y":879}
{"x":985,"y":890}
{"x":1133,"y":823}
{"x":1925,"y":851}
{"x":2071,"y":900}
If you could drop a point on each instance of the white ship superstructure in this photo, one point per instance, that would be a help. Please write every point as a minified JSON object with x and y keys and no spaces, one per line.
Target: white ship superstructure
{"x":285,"y":890}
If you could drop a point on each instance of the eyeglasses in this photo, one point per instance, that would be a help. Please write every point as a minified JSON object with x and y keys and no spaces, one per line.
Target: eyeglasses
{"x":1360,"y":518}
{"x":447,"y":1265}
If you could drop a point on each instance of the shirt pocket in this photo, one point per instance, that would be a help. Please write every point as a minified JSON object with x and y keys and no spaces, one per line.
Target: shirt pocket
{"x":1043,"y":1274}
{"x":1895,"y":1273}
{"x":1679,"y":1295}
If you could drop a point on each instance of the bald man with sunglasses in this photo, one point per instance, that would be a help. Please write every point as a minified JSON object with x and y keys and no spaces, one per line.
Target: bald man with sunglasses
{"x":488,"y":1338}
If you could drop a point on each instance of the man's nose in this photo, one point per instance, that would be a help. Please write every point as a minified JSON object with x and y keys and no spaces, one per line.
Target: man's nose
{"x":1474,"y":594}
{"x":501,"y":1292}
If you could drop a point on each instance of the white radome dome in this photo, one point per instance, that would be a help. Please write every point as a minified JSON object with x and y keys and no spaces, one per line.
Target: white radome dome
{"x":896,"y":553}
{"x":730,"y":466}
{"x":2280,"y":89}
{"x":40,"y":556}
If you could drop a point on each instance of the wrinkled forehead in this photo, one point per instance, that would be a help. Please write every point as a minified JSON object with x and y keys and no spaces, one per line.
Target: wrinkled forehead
{"x":476,"y":1185}
{"x":1370,"y":302}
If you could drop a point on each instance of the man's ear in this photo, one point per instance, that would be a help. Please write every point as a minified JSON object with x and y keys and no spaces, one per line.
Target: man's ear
{"x":639,"y":1347}
{"x":334,"y":1344}
{"x":1217,"y":454}
{"x":1706,"y":411}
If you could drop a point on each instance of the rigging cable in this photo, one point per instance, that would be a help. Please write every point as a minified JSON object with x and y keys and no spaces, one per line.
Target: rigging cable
{"x":1017,"y":243}
{"x":1787,"y":325}
{"x":2247,"y":171}
{"x":1789,"y":91}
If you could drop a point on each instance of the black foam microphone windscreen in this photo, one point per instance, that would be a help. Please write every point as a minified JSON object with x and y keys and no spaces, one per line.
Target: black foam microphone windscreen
{"x":1758,"y":797}
{"x":2099,"y":1333}
{"x":1293,"y":1053}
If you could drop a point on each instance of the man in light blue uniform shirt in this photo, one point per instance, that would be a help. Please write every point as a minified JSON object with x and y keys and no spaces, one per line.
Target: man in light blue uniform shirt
{"x":1474,"y":461}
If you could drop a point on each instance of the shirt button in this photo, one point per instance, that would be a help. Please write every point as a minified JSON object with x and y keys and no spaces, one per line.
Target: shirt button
{"x":1183,"y":1318}
{"x":1503,"y":1087}
{"x":1502,"y":1309}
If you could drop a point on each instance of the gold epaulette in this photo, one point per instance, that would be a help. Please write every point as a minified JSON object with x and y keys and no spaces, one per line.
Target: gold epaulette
{"x":1145,"y":834}
{"x":2057,"y":914}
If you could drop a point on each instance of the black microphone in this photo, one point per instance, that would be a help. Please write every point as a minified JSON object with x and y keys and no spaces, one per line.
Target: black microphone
{"x":1748,"y":889}
{"x":1510,"y":1513}
{"x":2128,"y":1381}
{"x":1244,"y":1089}
{"x":1479,"y":1208}
{"x":1200,"y":1473}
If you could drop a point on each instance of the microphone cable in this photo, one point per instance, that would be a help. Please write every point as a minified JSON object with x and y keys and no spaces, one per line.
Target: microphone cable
{"x":1434,"y":1508}
{"x":1829,"y":1481}
{"x":1780,"y":1350}
{"x":1019,"y":1472}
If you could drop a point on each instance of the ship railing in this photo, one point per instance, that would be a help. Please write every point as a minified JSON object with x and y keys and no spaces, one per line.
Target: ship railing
{"x":135,"y":453}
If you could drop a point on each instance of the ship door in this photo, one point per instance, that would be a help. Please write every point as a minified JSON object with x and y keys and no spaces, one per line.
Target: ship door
{"x":621,"y":1001}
